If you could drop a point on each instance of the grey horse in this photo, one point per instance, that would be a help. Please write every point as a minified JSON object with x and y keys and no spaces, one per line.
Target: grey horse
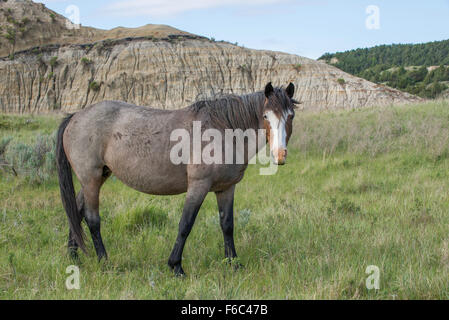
{"x":133,"y":143}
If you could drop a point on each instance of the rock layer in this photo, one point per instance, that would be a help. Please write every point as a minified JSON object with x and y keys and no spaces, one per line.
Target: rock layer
{"x":172,"y":74}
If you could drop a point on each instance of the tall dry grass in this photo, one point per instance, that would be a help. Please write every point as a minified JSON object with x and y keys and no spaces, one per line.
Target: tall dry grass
{"x":421,"y":128}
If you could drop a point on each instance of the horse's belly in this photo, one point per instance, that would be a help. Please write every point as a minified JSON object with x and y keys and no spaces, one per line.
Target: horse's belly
{"x":157,"y":184}
{"x":143,"y":163}
{"x":151,"y":176}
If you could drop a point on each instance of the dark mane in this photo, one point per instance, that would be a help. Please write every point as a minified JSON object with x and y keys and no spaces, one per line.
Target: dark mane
{"x":240,"y":112}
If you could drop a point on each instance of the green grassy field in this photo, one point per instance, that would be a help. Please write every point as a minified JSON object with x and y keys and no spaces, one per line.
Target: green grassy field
{"x":361,"y":188}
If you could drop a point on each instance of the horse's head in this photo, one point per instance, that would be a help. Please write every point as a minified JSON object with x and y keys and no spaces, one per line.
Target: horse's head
{"x":278,"y":117}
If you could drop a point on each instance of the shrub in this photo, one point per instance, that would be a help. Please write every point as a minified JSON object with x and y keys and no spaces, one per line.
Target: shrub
{"x":53,"y":62}
{"x":4,"y":144}
{"x":85,"y":61}
{"x":297,"y":67}
{"x":341,"y":81}
{"x":34,"y":162}
{"x":243,"y":67}
{"x":11,"y":20}
{"x":94,"y":86}
{"x":11,"y":35}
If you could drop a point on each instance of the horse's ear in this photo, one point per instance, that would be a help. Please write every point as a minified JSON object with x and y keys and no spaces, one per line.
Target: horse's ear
{"x":269,"y":90}
{"x":290,"y":90}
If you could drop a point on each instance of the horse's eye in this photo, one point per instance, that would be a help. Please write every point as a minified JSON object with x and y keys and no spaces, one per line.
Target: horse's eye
{"x":265,"y":117}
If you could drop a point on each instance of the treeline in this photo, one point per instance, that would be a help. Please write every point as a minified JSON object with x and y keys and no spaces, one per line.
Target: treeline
{"x":387,"y":64}
{"x":417,"y":81}
{"x":396,"y":55}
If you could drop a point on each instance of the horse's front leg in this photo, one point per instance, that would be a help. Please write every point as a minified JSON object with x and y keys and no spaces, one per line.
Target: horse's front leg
{"x":195,"y":196}
{"x":225,"y":201}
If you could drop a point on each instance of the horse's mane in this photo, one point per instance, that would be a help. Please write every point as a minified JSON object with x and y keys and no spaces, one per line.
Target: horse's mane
{"x":239,"y":112}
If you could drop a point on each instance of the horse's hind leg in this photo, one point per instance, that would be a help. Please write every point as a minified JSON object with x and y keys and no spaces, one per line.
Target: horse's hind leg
{"x":91,"y":192}
{"x":72,"y":245}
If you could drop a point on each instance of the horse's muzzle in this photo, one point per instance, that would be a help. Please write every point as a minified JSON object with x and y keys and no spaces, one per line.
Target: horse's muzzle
{"x":281,"y":157}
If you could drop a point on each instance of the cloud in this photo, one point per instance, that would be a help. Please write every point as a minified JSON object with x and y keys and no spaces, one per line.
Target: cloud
{"x":173,"y":7}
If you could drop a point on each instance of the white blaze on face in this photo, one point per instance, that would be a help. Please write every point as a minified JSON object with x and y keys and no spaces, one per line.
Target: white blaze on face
{"x":278,"y":136}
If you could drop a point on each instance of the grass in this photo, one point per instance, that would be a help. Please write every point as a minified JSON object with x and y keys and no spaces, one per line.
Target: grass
{"x":361,"y":188}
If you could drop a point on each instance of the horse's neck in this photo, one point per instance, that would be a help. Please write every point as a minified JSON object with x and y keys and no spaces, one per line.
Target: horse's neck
{"x":258,"y":114}
{"x":258,"y":101}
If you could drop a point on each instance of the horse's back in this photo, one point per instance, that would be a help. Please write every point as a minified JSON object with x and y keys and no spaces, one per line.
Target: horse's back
{"x":100,"y":118}
{"x":132,"y":141}
{"x":110,"y":110}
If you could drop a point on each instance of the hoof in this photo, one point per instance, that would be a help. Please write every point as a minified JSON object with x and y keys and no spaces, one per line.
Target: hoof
{"x":103,"y":256}
{"x":178,"y":271}
{"x":73,"y":254}
{"x":235,"y":263}
{"x":238,"y":266}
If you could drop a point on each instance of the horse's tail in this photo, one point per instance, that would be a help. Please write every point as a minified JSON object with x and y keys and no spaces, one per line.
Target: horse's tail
{"x":67,"y":189}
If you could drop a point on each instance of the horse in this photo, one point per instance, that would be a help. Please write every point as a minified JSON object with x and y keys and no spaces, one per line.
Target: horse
{"x":133,"y":143}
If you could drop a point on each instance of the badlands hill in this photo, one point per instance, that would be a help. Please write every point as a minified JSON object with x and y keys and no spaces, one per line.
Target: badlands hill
{"x":25,"y":24}
{"x":46,"y":66}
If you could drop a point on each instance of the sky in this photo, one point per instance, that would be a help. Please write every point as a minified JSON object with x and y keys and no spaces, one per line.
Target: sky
{"x":303,"y":27}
